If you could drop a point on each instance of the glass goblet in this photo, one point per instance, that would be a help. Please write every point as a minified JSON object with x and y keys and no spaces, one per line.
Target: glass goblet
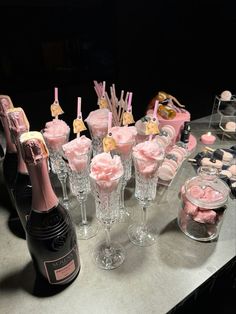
{"x":97,"y":139}
{"x":57,"y":161}
{"x":107,"y":255}
{"x":142,"y":233}
{"x":80,"y":187}
{"x":124,"y":150}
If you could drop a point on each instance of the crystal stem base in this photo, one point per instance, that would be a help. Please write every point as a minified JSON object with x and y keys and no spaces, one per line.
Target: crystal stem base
{"x":109,"y":257}
{"x":87,"y":231}
{"x":142,"y":235}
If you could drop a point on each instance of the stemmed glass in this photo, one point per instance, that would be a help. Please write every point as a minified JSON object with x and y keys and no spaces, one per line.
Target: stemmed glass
{"x":124,"y":150}
{"x":108,"y":255}
{"x":142,"y":233}
{"x":57,"y":161}
{"x":97,"y":140}
{"x":80,"y":187}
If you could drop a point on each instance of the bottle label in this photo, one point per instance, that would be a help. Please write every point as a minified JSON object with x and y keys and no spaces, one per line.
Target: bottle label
{"x":62,"y":269}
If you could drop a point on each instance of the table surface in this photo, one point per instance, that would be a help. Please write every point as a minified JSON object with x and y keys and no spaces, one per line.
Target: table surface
{"x":151,"y":280}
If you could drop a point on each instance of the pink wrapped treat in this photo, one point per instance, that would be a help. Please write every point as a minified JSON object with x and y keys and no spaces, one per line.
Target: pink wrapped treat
{"x":105,"y":169}
{"x":56,"y":133}
{"x":97,"y":121}
{"x":77,"y":152}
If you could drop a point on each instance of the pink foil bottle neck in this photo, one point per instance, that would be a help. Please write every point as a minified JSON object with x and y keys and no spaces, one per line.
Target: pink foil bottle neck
{"x":35,"y":155}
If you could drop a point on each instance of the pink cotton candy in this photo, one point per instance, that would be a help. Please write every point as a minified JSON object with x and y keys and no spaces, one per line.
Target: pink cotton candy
{"x":125,"y":138}
{"x":56,"y":133}
{"x":76,"y":152}
{"x":97,"y":121}
{"x":106,"y":169}
{"x":148,"y":156}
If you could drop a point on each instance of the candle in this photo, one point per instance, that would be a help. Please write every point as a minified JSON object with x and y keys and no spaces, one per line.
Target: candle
{"x":208,"y":138}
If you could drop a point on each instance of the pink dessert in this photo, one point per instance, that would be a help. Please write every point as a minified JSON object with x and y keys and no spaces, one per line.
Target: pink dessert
{"x":149,"y":156}
{"x":77,"y":151}
{"x":56,"y":133}
{"x":230,"y":126}
{"x":166,"y":172}
{"x":177,"y":123}
{"x":208,"y":162}
{"x":97,"y":121}
{"x":125,"y":137}
{"x":205,"y":194}
{"x":105,"y":170}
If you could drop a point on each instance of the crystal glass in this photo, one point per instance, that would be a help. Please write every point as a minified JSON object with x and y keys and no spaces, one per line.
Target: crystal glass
{"x":97,"y":140}
{"x":124,"y":150}
{"x":108,"y":254}
{"x":80,"y":187}
{"x":58,"y":162}
{"x":142,"y":233}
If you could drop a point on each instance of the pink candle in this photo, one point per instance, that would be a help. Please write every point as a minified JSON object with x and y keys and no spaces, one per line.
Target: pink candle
{"x":208,"y":138}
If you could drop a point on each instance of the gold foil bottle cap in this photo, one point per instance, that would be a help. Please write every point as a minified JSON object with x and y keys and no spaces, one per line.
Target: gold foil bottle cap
{"x":18,"y":122}
{"x":33,"y":147}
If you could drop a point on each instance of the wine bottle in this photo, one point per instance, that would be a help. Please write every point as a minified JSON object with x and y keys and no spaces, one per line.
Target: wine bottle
{"x":50,"y":231}
{"x":185,"y":133}
{"x":10,"y":159}
{"x":22,"y":189}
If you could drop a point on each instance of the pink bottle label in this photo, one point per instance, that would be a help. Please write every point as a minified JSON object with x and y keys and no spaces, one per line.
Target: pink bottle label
{"x":65,"y":271}
{"x":60,"y":270}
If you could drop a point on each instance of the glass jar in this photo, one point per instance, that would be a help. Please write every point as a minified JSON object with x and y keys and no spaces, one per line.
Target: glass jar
{"x":204,"y":199}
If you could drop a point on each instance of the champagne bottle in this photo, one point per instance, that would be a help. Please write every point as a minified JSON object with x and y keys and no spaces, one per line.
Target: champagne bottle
{"x":10,"y":159}
{"x":50,"y":232}
{"x":22,"y":189}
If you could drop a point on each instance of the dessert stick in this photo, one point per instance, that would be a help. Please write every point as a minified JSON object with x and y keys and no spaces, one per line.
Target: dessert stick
{"x":112,"y":109}
{"x":121,"y":104}
{"x":56,"y":109}
{"x":98,"y":89}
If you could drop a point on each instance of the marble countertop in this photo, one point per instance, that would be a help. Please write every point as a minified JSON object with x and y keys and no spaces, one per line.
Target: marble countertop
{"x":151,"y":280}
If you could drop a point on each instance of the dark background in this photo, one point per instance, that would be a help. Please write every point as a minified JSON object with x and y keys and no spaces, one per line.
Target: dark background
{"x":182,"y":47}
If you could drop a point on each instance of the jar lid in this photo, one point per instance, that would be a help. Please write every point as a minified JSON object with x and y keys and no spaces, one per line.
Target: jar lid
{"x":207,"y":190}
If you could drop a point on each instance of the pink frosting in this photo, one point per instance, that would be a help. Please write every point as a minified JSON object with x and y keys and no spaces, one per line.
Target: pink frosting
{"x":149,"y":155}
{"x":106,"y":169}
{"x":56,"y":133}
{"x":77,"y":151}
{"x":177,"y":123}
{"x":97,"y":121}
{"x":125,"y":138}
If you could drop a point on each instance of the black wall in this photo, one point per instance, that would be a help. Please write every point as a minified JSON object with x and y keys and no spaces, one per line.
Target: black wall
{"x":182,"y":47}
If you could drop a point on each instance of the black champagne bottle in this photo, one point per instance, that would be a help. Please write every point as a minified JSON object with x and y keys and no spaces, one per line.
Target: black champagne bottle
{"x":9,"y":165}
{"x":22,"y":189}
{"x":50,"y":232}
